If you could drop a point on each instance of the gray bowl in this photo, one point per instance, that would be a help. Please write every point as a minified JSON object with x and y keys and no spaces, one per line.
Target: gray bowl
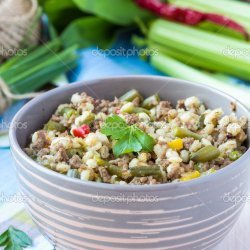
{"x":74,"y":214}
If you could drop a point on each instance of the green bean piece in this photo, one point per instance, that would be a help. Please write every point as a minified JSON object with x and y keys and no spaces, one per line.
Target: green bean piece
{"x":198,"y":166}
{"x":201,"y":121}
{"x":128,"y":107}
{"x":151,"y":101}
{"x":52,"y":125}
{"x":74,"y":151}
{"x":205,"y":154}
{"x":183,"y":132}
{"x":73,"y":173}
{"x":130,"y":96}
{"x":68,"y":112}
{"x":144,"y":171}
{"x":138,"y":110}
{"x":115,"y":170}
{"x":235,"y":155}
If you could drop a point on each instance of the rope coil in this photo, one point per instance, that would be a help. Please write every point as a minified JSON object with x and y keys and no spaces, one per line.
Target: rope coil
{"x":18,"y":26}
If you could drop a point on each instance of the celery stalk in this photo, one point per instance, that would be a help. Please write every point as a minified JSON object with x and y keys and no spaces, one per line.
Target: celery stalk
{"x":166,"y":33}
{"x":177,"y":69}
{"x":186,"y":58}
{"x":206,"y":35}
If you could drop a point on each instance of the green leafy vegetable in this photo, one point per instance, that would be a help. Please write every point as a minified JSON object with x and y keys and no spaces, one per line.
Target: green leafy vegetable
{"x":87,"y":31}
{"x":122,"y":12}
{"x":61,"y":15}
{"x":14,"y":239}
{"x":129,"y":138}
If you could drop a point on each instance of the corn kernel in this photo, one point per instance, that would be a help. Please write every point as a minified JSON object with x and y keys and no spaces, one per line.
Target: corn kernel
{"x":190,"y":175}
{"x":176,"y":144}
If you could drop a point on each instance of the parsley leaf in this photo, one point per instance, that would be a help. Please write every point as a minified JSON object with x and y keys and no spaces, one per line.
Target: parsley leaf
{"x":129,"y":138}
{"x":14,"y":239}
{"x":127,"y":144}
{"x":115,"y":127}
{"x":146,"y":141}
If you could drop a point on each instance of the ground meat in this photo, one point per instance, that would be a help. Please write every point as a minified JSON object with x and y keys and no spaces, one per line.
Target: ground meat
{"x":143,"y":180}
{"x":42,"y":152}
{"x":121,"y":162}
{"x":180,"y":104}
{"x":187,"y":167}
{"x":187,"y":142}
{"x":75,"y":162}
{"x":96,"y":124}
{"x":162,"y":109}
{"x":131,"y":119}
{"x":104,"y":174}
{"x":101,"y":106}
{"x":105,"y":105}
{"x":41,"y":141}
{"x":61,"y":155}
{"x":163,"y":163}
{"x":233,"y":106}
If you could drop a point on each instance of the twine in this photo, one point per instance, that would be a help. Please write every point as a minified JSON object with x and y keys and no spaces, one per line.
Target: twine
{"x":6,"y":96}
{"x":16,"y":20}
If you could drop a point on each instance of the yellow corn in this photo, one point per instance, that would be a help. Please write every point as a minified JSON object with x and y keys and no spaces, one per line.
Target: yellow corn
{"x":190,"y":175}
{"x":176,"y":144}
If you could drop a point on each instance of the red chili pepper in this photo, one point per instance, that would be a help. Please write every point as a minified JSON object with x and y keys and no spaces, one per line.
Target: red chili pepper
{"x":82,"y":131}
{"x":189,"y":16}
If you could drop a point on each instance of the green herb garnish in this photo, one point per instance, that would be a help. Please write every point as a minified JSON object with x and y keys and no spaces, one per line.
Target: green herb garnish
{"x":14,"y":239}
{"x":129,"y":138}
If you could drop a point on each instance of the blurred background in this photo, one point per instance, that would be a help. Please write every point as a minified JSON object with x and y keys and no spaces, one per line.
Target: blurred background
{"x":47,"y":43}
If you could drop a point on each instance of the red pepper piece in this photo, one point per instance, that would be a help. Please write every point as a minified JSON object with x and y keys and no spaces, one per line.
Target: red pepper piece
{"x":82,"y":131}
{"x":189,"y":16}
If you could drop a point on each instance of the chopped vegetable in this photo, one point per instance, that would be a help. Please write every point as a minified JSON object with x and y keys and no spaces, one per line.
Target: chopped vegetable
{"x":52,"y":125}
{"x":183,"y":132}
{"x":130,"y":96}
{"x":205,"y":154}
{"x":74,"y":151}
{"x":142,"y":171}
{"x":73,"y":173}
{"x":115,"y":170}
{"x":68,"y":112}
{"x":176,"y":144}
{"x":190,"y":176}
{"x":14,"y":239}
{"x":235,"y":155}
{"x":82,"y":131}
{"x":151,"y":101}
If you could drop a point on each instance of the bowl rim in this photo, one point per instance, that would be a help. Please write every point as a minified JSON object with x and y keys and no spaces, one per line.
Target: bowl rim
{"x":16,"y":148}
